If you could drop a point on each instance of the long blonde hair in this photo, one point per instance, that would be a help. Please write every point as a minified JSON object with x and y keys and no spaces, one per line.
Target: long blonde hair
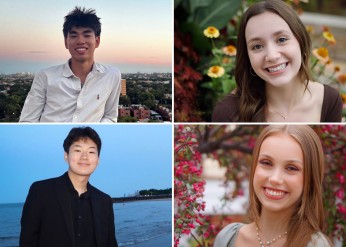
{"x":307,"y":217}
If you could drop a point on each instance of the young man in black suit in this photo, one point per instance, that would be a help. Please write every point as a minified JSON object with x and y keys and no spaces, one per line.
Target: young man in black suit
{"x":67,"y":211}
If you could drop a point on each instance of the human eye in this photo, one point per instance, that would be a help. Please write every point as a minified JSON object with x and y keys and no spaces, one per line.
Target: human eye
{"x":292,"y":168}
{"x":256,"y":47}
{"x":265,"y":162}
{"x":282,"y":40}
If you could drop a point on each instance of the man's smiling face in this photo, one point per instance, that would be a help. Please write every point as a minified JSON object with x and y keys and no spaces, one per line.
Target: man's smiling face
{"x":81,"y":43}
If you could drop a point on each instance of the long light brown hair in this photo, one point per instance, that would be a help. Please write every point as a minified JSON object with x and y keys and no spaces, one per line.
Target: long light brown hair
{"x":307,"y":217}
{"x":251,"y":89}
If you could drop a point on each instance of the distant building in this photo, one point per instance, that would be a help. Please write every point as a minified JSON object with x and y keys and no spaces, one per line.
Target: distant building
{"x":124,"y":111}
{"x":123,"y":87}
{"x":155,"y":116}
{"x":140,"y":112}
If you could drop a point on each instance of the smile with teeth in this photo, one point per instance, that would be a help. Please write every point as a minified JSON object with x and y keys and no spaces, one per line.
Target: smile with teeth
{"x":274,"y":193}
{"x":277,"y":68}
{"x":81,"y":49}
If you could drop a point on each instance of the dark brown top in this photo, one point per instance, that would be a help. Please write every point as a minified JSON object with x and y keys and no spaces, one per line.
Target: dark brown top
{"x":227,"y":109}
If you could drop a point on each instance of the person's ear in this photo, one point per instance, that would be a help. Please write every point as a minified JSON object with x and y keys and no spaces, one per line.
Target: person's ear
{"x":98,"y":40}
{"x":65,"y":43}
{"x":65,"y":156}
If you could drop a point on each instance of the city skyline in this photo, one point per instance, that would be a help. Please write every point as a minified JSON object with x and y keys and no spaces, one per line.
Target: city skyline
{"x":135,"y":37}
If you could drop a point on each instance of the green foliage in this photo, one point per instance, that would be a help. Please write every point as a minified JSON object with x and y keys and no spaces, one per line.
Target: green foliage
{"x":127,"y":119}
{"x":154,"y":192}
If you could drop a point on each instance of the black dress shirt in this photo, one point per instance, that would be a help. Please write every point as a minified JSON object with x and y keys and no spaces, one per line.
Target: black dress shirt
{"x":83,"y":225}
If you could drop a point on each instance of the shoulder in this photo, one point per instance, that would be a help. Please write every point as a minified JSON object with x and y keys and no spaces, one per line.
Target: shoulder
{"x":108,"y":69}
{"x":330,"y":91}
{"x":227,"y":234}
{"x":332,"y":105}
{"x":227,"y":109}
{"x":319,"y":239}
{"x":98,"y":193}
{"x":52,"y":69}
{"x":44,"y":185}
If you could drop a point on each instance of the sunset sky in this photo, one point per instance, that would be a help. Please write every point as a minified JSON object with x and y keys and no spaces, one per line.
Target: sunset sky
{"x":136,"y":35}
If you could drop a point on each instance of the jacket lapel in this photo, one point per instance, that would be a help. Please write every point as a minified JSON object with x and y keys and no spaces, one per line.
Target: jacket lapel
{"x":65,"y":204}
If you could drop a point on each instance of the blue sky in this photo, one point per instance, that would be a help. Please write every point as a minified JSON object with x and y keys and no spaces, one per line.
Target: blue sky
{"x":133,"y":157}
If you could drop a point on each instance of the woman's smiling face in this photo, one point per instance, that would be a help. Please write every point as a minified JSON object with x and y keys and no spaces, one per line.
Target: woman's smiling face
{"x":273,"y":50}
{"x":278,"y":178}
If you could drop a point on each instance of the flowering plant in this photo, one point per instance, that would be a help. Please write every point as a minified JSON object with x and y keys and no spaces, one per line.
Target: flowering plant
{"x":232,"y":146}
{"x":323,"y":68}
{"x":213,"y":42}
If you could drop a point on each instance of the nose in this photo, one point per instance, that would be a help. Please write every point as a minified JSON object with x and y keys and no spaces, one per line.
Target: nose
{"x":84,"y":155}
{"x":80,"y":39}
{"x":276,"y":177}
{"x":273,"y":54}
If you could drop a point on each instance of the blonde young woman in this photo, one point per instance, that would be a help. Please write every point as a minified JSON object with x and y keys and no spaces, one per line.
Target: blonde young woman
{"x":272,"y":72}
{"x":285,"y":192}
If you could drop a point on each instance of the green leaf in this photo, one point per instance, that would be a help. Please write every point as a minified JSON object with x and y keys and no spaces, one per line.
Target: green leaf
{"x":195,"y":4}
{"x":176,"y":3}
{"x":226,"y":86}
{"x":200,"y":42}
{"x":217,"y":13}
{"x":208,"y":85}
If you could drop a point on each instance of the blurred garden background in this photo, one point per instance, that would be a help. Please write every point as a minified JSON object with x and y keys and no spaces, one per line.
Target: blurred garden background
{"x":205,"y":34}
{"x":211,"y":173}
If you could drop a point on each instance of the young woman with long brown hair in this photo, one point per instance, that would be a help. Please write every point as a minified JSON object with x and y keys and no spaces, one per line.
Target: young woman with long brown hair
{"x":285,"y":192}
{"x":272,"y":72}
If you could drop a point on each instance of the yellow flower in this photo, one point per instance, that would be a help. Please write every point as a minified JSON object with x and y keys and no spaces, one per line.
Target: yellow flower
{"x":342,"y":78}
{"x":336,"y":68}
{"x":309,"y":28}
{"x":226,"y":60}
{"x":230,"y":50}
{"x":211,"y":32}
{"x":329,"y":37}
{"x":322,"y":54}
{"x":343,"y":97}
{"x":216,"y":71}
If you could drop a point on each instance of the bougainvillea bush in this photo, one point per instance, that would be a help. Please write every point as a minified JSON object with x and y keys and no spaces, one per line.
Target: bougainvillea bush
{"x":232,"y":146}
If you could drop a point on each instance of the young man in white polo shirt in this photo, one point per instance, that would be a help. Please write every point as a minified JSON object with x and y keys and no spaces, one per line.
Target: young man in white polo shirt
{"x":79,"y":90}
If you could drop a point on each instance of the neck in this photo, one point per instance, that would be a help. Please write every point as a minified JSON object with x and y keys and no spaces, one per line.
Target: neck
{"x":273,"y":224}
{"x":79,"y":182}
{"x":81,"y":69}
{"x":283,"y":99}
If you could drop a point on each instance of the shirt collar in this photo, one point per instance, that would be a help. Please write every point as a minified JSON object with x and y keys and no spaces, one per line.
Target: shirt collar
{"x":73,"y":190}
{"x":67,"y":72}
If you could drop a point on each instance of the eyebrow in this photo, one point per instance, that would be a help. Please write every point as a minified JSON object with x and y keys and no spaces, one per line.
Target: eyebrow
{"x":289,"y":161}
{"x":79,"y":146}
{"x":84,"y":32}
{"x":274,"y":34}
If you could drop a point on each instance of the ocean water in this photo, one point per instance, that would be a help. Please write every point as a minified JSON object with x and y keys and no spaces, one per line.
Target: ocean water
{"x":135,"y":222}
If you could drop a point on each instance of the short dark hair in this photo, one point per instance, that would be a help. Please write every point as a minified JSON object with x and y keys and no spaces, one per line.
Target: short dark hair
{"x":81,"y":17}
{"x":79,"y":133}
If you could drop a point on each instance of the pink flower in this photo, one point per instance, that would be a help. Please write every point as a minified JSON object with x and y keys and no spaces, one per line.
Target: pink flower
{"x":340,"y":193}
{"x":341,"y":208}
{"x":340,"y":177}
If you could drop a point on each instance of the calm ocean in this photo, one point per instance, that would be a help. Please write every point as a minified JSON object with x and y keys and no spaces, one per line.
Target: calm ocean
{"x":135,"y":222}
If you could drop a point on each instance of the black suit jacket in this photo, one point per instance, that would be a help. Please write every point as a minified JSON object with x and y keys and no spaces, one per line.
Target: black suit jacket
{"x":47,"y":216}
